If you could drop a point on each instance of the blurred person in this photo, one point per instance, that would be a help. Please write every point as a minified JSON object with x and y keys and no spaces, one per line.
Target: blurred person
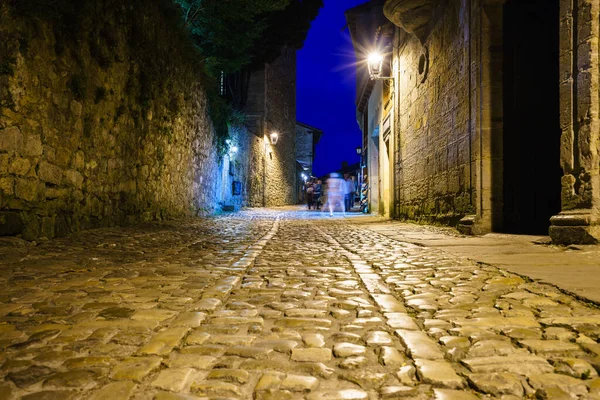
{"x":318,"y":191}
{"x":349,"y":190}
{"x":310,"y":193}
{"x":335,"y":192}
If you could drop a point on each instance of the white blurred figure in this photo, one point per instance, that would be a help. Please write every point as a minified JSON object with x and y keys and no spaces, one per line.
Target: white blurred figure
{"x":335,"y":192}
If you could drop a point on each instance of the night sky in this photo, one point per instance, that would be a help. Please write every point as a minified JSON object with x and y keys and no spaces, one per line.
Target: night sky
{"x":326,"y":87}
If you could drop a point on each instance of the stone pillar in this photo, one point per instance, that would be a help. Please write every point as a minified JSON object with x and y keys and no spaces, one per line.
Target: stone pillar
{"x":487,"y":113}
{"x":579,"y":221}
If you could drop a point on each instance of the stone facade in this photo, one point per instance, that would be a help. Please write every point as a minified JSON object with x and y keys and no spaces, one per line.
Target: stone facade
{"x":481,"y":134}
{"x":579,"y":221}
{"x":105,"y":128}
{"x":271,"y":108}
{"x":432,"y":130}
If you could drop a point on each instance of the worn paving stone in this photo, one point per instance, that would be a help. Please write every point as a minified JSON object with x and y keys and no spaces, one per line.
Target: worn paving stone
{"x":299,"y":383}
{"x":447,"y":394}
{"x":518,"y":364}
{"x":550,"y":347}
{"x":420,"y":345}
{"x":565,"y":383}
{"x":391,"y":357}
{"x":498,"y":384}
{"x":342,"y":394}
{"x":174,"y":380}
{"x":115,"y":391}
{"x":135,"y":368}
{"x":312,"y":355}
{"x":313,"y":340}
{"x":438,"y":373}
{"x":348,"y":349}
{"x":229,"y":375}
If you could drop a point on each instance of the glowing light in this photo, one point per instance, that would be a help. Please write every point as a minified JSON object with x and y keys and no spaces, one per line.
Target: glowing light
{"x":375,"y":63}
{"x":274,"y":137}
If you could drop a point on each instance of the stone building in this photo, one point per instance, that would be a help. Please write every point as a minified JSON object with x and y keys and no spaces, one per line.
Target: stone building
{"x":373,"y":100}
{"x":271,"y":109}
{"x":493,"y":110}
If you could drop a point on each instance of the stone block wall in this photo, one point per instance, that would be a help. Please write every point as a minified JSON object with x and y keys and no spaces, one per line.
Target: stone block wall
{"x":103,"y":122}
{"x":579,"y":221}
{"x":272,"y":108}
{"x":432,"y":124}
{"x":281,"y":117}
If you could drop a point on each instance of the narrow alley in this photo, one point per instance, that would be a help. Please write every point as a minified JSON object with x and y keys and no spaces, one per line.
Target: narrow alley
{"x":280,"y":304}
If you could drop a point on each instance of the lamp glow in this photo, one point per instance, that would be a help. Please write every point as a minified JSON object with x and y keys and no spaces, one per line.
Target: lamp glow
{"x":274,"y":137}
{"x":375,"y":62}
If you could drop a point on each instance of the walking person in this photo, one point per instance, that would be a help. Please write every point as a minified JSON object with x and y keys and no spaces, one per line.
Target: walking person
{"x":348,"y":192}
{"x":309,"y":194}
{"x":317,"y":191}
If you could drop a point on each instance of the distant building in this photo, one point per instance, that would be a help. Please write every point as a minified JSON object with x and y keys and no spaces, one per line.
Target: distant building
{"x":307,"y":138}
{"x":271,"y":109}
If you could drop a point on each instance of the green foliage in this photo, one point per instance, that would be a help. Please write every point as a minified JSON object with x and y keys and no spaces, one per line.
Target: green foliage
{"x":233,"y":34}
{"x":225,"y":31}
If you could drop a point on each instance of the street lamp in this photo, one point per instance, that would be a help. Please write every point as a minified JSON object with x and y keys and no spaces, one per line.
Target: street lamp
{"x":375,"y":64}
{"x":273,"y":136}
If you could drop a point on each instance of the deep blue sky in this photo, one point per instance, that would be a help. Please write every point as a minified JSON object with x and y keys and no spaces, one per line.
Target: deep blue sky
{"x":326,"y":87}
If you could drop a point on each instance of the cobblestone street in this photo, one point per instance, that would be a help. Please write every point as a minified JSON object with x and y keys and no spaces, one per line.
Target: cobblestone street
{"x":278,"y":304}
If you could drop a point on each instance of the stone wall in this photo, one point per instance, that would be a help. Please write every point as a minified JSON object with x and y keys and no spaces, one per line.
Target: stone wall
{"x":272,"y":108}
{"x":579,"y":221}
{"x":102,"y":121}
{"x":281,"y":117}
{"x":432,"y":125}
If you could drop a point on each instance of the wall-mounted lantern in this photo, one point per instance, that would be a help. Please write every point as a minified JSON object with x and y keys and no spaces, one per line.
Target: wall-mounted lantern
{"x":375,"y":64}
{"x":274,"y":137}
{"x":359,"y":151}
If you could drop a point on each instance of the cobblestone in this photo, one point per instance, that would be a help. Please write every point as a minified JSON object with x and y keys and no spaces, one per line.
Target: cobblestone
{"x":273,"y":304}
